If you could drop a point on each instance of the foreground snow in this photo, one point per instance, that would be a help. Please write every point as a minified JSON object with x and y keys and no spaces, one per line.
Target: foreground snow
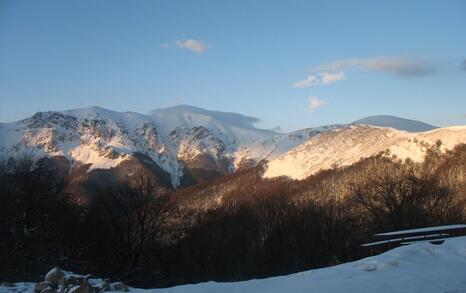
{"x":420,"y":267}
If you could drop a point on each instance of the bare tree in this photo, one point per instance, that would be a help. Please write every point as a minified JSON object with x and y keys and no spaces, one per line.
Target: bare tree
{"x":135,"y":212}
{"x":396,"y":201}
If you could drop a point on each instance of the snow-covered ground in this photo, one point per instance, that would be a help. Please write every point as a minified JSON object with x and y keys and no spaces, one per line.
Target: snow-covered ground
{"x":420,"y":267}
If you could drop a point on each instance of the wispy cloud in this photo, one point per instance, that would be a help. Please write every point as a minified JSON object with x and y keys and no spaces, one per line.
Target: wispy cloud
{"x":332,"y":72}
{"x":309,"y":81}
{"x":463,"y":65}
{"x":320,"y":78}
{"x":314,"y":103}
{"x":328,"y":78}
{"x":398,"y":66}
{"x":193,"y":45}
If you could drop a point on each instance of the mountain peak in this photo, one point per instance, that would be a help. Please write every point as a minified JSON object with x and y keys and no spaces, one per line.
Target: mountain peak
{"x":396,"y":123}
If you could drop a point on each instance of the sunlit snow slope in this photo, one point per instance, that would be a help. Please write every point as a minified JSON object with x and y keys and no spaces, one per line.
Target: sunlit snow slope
{"x":347,"y":145}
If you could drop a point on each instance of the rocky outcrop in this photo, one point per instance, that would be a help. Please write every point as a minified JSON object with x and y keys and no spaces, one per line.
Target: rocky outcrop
{"x":119,"y":286}
{"x":60,"y":281}
{"x":55,"y":276}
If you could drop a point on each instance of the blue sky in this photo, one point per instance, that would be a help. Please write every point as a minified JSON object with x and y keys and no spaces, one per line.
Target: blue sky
{"x":290,"y":63}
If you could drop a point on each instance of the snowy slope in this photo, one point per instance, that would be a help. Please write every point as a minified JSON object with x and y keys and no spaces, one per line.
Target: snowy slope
{"x":421,"y":267}
{"x":175,"y":138}
{"x":347,"y":145}
{"x":396,"y":122}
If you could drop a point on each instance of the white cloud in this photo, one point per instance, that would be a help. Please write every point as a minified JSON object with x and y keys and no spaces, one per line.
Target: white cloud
{"x":335,"y":71}
{"x":320,"y":78}
{"x":192,"y":45}
{"x":314,"y":103}
{"x":328,"y":78}
{"x":309,"y":81}
{"x":399,"y":66}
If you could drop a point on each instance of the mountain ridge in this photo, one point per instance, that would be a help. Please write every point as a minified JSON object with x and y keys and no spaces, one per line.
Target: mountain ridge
{"x":190,"y":144}
{"x":180,"y":140}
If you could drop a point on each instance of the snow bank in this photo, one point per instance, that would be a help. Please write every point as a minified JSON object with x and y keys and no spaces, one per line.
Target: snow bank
{"x":421,"y":267}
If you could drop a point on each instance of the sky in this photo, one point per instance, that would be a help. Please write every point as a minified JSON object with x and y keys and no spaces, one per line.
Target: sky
{"x":293,"y":64}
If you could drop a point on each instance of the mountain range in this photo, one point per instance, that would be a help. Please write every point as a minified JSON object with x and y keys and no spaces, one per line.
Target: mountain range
{"x":184,"y":145}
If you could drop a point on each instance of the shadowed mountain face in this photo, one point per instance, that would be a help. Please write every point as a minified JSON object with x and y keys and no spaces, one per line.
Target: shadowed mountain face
{"x":396,"y":122}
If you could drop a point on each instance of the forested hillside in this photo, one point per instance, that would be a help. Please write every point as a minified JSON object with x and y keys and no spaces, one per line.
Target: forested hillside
{"x":236,"y":227}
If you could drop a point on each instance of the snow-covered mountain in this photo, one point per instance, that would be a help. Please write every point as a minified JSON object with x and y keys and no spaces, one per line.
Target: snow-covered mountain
{"x":181,"y":140}
{"x":189,"y":144}
{"x":347,"y":145}
{"x":396,"y":122}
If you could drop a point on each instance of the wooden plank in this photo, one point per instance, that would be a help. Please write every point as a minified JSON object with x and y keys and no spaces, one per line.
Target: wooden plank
{"x":426,"y":240}
{"x":425,"y":236}
{"x":423,"y":230}
{"x":383,"y":242}
{"x":396,"y":240}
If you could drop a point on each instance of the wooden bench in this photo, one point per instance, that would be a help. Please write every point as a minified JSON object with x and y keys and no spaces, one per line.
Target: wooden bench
{"x":435,"y":235}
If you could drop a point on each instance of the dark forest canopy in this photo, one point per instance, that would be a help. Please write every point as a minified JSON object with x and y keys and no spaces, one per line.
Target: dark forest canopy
{"x":235,"y":227}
